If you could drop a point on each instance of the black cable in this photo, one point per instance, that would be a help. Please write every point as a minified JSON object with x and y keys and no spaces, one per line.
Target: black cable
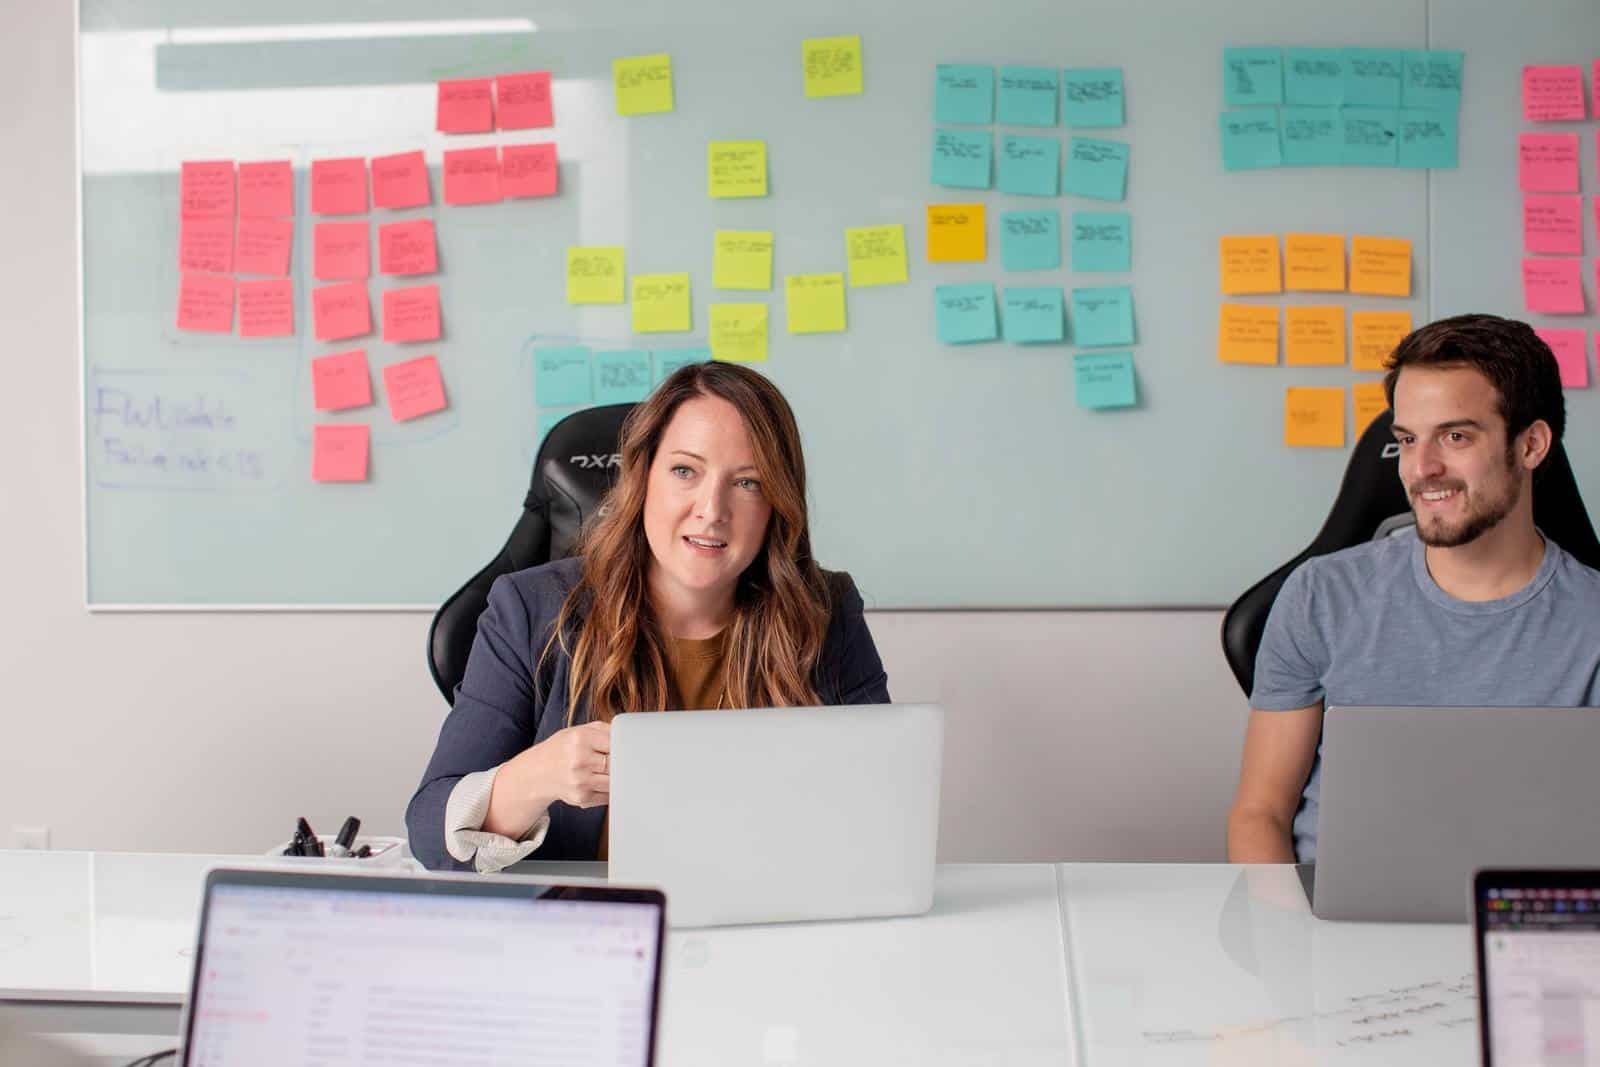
{"x":154,"y":1058}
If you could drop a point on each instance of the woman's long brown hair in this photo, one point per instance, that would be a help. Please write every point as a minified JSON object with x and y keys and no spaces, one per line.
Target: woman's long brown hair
{"x":607,"y":626}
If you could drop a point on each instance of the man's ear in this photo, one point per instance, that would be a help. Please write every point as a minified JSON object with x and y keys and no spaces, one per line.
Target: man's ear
{"x":1534,"y":444}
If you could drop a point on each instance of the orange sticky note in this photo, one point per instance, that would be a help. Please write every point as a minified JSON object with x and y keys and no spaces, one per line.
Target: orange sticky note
{"x":400,"y":181}
{"x":414,"y":388}
{"x":411,"y":314}
{"x":1380,"y":266}
{"x":262,"y":246}
{"x":206,"y":245}
{"x":266,"y":308}
{"x":340,"y":311}
{"x":465,"y":105}
{"x":1374,"y":334}
{"x":1313,"y":417}
{"x":339,"y":186}
{"x":522,"y":101}
{"x":1249,"y":264}
{"x":266,"y":190}
{"x":339,"y":453}
{"x":956,"y":233}
{"x":341,"y":251}
{"x":341,"y":381}
{"x":205,"y":303}
{"x":205,"y":189}
{"x":1313,"y":335}
{"x":528,"y":170}
{"x":407,"y":248}
{"x":472,"y":176}
{"x":1369,"y":401}
{"x":1248,"y":333}
{"x":1313,"y":262}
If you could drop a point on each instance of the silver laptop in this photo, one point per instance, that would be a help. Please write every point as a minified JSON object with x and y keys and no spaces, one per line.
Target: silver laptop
{"x":295,"y":967}
{"x":1416,"y":799}
{"x":757,"y":815}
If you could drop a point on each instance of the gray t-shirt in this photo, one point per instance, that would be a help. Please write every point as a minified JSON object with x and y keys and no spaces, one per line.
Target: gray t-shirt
{"x":1369,"y":626}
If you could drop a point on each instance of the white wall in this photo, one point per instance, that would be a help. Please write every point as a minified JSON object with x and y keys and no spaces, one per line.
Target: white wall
{"x":1071,"y":735}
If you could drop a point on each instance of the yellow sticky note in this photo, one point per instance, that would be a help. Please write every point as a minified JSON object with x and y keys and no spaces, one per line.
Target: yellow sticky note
{"x":814,"y":303}
{"x":876,"y":255}
{"x":594,"y":275}
{"x":661,"y":303}
{"x":742,"y":259}
{"x":1380,"y":266}
{"x":955,"y":233}
{"x":643,"y":84}
{"x":739,"y":333}
{"x":1250,"y":265}
{"x":1313,"y":335}
{"x":1248,"y":333}
{"x":1369,"y":402}
{"x":832,"y":65}
{"x":737,"y":168}
{"x":1313,"y":417}
{"x":1313,"y":262}
{"x":1373,"y":335}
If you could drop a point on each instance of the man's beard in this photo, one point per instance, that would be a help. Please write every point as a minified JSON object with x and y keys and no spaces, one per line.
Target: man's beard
{"x":1479,"y":521}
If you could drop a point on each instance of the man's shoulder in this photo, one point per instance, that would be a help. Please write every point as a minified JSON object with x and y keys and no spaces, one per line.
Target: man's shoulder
{"x":1360,"y":568}
{"x":1574,"y":575}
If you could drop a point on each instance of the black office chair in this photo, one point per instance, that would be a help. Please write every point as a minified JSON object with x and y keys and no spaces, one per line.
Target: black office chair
{"x":576,"y":465}
{"x":1371,"y":498}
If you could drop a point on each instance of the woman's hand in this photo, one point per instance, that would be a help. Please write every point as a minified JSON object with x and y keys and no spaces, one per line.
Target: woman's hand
{"x":571,"y":765}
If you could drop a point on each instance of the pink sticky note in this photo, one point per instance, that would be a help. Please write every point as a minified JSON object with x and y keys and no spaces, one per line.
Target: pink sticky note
{"x":205,"y":303}
{"x":465,"y":106}
{"x":407,"y":248}
{"x":1594,"y":89}
{"x":266,"y":308}
{"x":266,"y":190}
{"x":528,"y":170}
{"x":341,"y":381}
{"x":263,"y":246}
{"x":1552,"y":225}
{"x":338,"y":186}
{"x":472,"y":176}
{"x":1572,"y":355}
{"x":341,"y":311}
{"x":341,"y":251}
{"x":1552,"y":94}
{"x":1553,"y":286}
{"x":400,"y":181}
{"x":522,"y":101}
{"x":414,"y":388}
{"x":206,"y":244}
{"x":1547,"y":162}
{"x":339,"y":453}
{"x":411,"y":314}
{"x":206,"y":189}
{"x":1597,"y":218}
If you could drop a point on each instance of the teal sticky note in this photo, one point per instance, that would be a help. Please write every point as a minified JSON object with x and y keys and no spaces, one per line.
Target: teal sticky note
{"x":1312,"y":136}
{"x":1092,"y":97}
{"x":1030,"y":240}
{"x":1250,"y":140}
{"x":1102,"y":241}
{"x":670,"y":359}
{"x":962,"y":158}
{"x":547,"y":422}
{"x":561,"y":376}
{"x":1096,"y":169}
{"x":622,"y":377}
{"x":963,"y":94}
{"x":1035,"y":316}
{"x":1103,"y":316}
{"x":1432,"y":81}
{"x":1313,"y":77}
{"x":1028,"y":96}
{"x":1371,"y":136}
{"x":1372,"y":77}
{"x":1104,"y":380}
{"x":965,"y":313}
{"x":1428,"y":139}
{"x":1252,"y":76}
{"x":1029,"y":165}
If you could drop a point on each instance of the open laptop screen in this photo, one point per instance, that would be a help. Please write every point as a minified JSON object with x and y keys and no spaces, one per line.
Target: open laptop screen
{"x":308,"y":969}
{"x":1539,"y":967}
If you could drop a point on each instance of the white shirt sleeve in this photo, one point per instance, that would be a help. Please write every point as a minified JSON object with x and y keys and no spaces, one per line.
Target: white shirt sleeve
{"x":464,"y":836}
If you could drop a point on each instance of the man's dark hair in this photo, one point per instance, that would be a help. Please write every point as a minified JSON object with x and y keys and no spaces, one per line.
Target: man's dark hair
{"x":1516,"y":361}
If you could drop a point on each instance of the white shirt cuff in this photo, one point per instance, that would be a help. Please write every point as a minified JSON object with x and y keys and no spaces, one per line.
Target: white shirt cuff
{"x":464,"y":836}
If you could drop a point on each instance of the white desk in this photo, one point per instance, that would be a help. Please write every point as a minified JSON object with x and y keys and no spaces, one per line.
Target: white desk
{"x":1019,"y":965}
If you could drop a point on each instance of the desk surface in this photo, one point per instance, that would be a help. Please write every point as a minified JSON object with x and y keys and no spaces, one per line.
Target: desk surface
{"x":1024,"y":964}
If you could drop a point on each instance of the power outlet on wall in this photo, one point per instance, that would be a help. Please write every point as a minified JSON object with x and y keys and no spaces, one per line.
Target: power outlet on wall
{"x":35,"y":837}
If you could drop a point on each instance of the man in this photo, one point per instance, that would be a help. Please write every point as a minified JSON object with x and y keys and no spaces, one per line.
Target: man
{"x":1474,"y":608}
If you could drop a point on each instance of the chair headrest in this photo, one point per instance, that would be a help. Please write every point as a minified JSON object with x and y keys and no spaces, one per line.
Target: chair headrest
{"x":577,"y":463}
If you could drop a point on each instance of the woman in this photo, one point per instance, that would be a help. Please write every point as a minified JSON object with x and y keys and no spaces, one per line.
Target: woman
{"x":694,"y":587}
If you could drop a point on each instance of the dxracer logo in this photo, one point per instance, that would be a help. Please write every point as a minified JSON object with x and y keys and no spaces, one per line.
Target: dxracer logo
{"x":598,"y":461}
